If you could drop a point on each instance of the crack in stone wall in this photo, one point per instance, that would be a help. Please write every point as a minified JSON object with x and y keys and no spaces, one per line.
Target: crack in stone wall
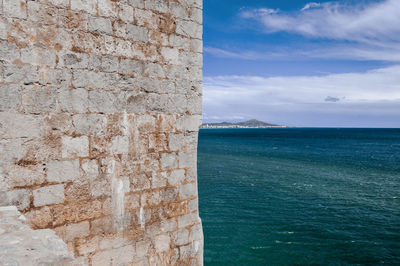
{"x":100,"y":106}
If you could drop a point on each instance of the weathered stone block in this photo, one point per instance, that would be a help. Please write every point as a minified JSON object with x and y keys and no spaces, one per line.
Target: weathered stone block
{"x":90,"y":124}
{"x":137,"y":33}
{"x":62,"y":171}
{"x":15,"y":8}
{"x":187,"y":219}
{"x":19,"y":176}
{"x":161,"y":243}
{"x":74,"y":100}
{"x":38,"y":56}
{"x":18,"y":197}
{"x":176,"y":177}
{"x":25,"y":74}
{"x":75,"y":60}
{"x":75,"y":147}
{"x":103,"y":102}
{"x":76,"y":230}
{"x":125,"y":13}
{"x":120,"y":145}
{"x":189,"y":29}
{"x":181,"y":237}
{"x":187,"y":190}
{"x":88,"y":6}
{"x":168,"y":161}
{"x":100,"y":25}
{"x":10,"y":97}
{"x":171,"y":55}
{"x":107,"y":8}
{"x":48,"y":195}
{"x":187,"y":159}
{"x":19,"y":126}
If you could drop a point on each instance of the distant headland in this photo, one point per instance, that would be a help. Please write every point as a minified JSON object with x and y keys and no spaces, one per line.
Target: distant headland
{"x":252,"y":123}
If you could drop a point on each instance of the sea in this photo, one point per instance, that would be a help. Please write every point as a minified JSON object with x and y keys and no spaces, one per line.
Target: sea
{"x":300,"y":196}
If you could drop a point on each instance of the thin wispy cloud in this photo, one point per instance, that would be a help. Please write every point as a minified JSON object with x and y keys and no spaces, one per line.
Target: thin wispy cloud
{"x":375,"y":92}
{"x":358,"y":32}
{"x":332,"y":20}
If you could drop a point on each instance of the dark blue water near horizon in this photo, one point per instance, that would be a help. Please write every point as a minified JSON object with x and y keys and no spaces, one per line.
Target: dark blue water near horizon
{"x":300,"y":196}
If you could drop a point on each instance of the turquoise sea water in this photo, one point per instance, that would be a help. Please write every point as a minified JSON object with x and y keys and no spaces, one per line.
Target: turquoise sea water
{"x":300,"y":196}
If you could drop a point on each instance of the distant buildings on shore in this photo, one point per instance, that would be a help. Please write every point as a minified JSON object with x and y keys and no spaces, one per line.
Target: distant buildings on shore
{"x":253,"y":123}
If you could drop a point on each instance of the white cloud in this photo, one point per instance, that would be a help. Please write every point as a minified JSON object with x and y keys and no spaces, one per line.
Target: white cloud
{"x":284,"y":99}
{"x":310,"y":5}
{"x":362,"y":23}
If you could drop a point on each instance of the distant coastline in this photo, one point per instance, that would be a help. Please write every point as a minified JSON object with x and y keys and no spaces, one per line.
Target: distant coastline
{"x":253,"y":123}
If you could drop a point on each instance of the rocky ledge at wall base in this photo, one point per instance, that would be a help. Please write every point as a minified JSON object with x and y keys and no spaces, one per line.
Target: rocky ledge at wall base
{"x":100,"y":107}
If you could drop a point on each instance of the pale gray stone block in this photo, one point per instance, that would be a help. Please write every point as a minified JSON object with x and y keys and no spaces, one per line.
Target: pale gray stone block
{"x":179,"y":42}
{"x":189,"y":29}
{"x":131,"y":67}
{"x":189,"y":123}
{"x":171,"y":55}
{"x":88,"y":6}
{"x":158,"y":102}
{"x":18,"y":197}
{"x":19,"y":176}
{"x":63,"y":171}
{"x":125,"y":13}
{"x":154,"y":70}
{"x":76,"y":230}
{"x":169,"y":161}
{"x":9,"y":51}
{"x":90,"y":124}
{"x":194,"y":205}
{"x":192,"y":250}
{"x":109,"y":64}
{"x":181,"y":237}
{"x":158,"y":5}
{"x":142,"y":248}
{"x":197,"y":45}
{"x":177,"y":104}
{"x":137,"y":33}
{"x":38,"y":56}
{"x":176,"y":177}
{"x":195,"y":105}
{"x":103,"y":102}
{"x":179,"y":10}
{"x":101,"y":25}
{"x":54,"y":76}
{"x":136,"y":3}
{"x":196,"y":232}
{"x":48,"y":195}
{"x":75,"y":60}
{"x":187,"y":190}
{"x":197,"y":15}
{"x":162,"y":243}
{"x":15,"y":8}
{"x":19,"y":126}
{"x":39,"y":99}
{"x":10,"y":97}
{"x":74,"y":100}
{"x":26,"y":74}
{"x":107,"y":8}
{"x":120,"y":145}
{"x":75,"y":147}
{"x":187,"y":219}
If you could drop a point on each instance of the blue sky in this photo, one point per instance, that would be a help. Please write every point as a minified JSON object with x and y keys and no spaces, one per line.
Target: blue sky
{"x":302,"y":63}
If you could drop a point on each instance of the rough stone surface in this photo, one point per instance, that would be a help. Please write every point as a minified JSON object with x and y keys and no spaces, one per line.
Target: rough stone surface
{"x":100,"y":106}
{"x":20,"y":245}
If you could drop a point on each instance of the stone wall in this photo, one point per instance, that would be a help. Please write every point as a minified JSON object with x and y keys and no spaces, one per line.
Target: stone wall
{"x":100,"y":105}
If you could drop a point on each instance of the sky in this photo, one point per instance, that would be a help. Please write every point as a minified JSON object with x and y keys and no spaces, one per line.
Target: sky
{"x":302,"y":63}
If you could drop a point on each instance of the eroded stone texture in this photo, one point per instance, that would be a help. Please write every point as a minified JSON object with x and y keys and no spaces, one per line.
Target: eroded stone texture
{"x":20,"y":245}
{"x":100,"y":105}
